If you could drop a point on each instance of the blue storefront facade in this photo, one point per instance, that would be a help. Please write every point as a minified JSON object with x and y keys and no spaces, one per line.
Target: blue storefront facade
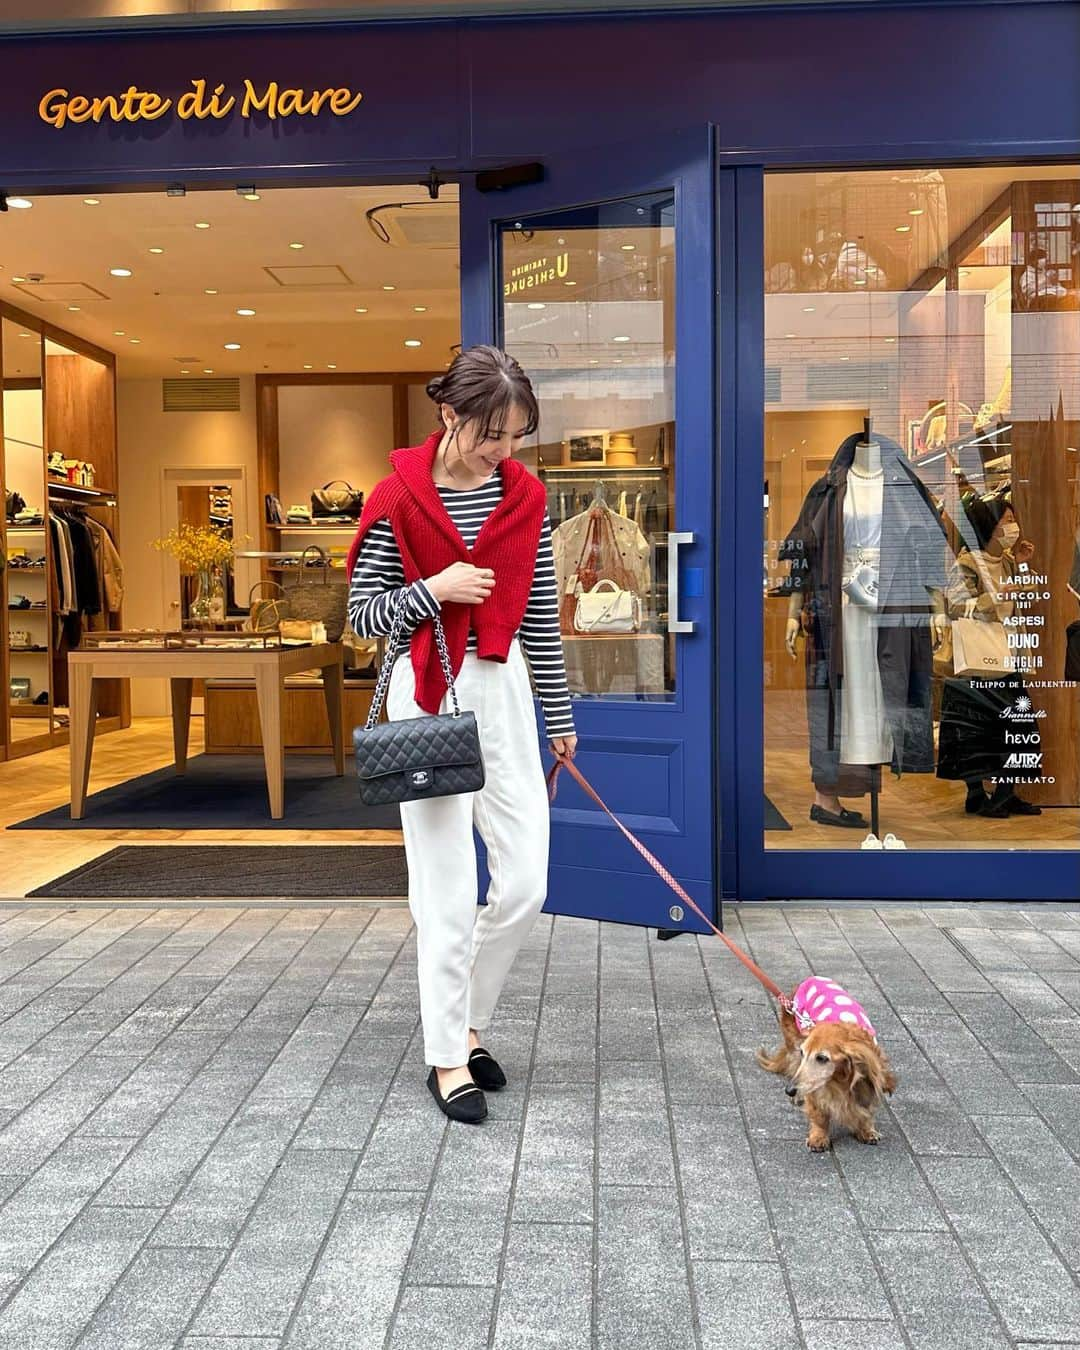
{"x":774,"y":152}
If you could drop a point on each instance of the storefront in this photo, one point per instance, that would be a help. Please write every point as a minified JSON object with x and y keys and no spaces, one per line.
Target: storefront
{"x":832,"y":252}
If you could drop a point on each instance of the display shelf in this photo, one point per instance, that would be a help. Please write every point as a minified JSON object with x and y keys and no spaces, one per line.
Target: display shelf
{"x":315,"y":529}
{"x":75,"y":491}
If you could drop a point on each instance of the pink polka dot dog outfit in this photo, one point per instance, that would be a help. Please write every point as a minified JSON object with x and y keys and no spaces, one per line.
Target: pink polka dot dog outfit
{"x":819,"y":1000}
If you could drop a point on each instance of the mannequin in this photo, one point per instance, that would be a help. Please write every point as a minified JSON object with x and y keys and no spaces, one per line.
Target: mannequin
{"x":868,"y":523}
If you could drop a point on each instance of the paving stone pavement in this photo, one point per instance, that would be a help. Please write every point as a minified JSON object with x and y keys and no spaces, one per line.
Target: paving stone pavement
{"x":215,"y":1135}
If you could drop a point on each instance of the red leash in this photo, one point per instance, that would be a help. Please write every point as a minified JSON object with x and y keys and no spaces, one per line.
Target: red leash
{"x":660,"y":870}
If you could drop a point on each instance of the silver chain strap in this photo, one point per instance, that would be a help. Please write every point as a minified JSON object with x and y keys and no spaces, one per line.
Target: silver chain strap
{"x":393,"y":641}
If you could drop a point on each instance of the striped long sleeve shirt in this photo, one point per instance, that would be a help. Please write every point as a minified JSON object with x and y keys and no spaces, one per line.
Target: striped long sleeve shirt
{"x":379,"y":578}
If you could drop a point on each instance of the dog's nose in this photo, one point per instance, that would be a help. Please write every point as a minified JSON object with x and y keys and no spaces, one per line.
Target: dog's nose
{"x":791,"y":1091}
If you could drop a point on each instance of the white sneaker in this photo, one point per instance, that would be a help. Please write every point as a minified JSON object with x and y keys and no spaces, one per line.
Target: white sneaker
{"x":891,"y":841}
{"x":871,"y":841}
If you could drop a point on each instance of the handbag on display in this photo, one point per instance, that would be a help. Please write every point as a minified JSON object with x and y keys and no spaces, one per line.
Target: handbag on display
{"x":14,"y":502}
{"x":981,"y":649}
{"x":331,"y":500}
{"x":323,"y":599}
{"x":265,"y":613}
{"x":607,"y":609}
{"x":298,"y":515}
{"x":296,"y":632}
{"x":861,"y":588}
{"x":600,"y":559}
{"x":417,"y":757}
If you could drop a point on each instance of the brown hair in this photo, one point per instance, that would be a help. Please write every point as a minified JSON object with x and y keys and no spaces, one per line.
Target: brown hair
{"x":482,"y":384}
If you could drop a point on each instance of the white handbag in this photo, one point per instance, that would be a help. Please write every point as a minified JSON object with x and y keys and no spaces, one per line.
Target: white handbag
{"x":607,"y":609}
{"x":981,"y":649}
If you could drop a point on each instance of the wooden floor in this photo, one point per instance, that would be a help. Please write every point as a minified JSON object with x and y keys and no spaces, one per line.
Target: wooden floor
{"x":38,"y":783}
{"x":923,"y":810}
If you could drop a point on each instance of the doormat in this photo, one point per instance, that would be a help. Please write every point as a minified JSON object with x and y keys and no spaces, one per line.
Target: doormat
{"x":773,"y":819}
{"x":227,"y":792}
{"x":271,"y":872}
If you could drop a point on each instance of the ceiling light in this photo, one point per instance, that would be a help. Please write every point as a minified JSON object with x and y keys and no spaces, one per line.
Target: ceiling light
{"x":413,"y":342}
{"x":210,"y":292}
{"x":156,"y":250}
{"x":627,"y":248}
{"x":91,"y":201}
{"x":616,"y":360}
{"x":537,"y":305}
{"x":965,"y":271}
{"x":845,"y":358}
{"x":389,"y":288}
{"x":296,"y":246}
{"x":859,"y":281}
{"x":808,"y":309}
{"x":621,"y":338}
{"x":902,"y":229}
{"x":119,"y":332}
{"x":232,"y":346}
{"x":135,"y":341}
{"x":419,"y":309}
{"x":73,"y":309}
{"x":331,"y":367}
{"x":789,"y":335}
{"x":20,"y":203}
{"x":307,"y":367}
{"x":185,"y":372}
{"x":916,"y":211}
{"x":890,"y":339}
{"x":569,"y":283}
{"x":360,"y":309}
{"x":207,"y":370}
{"x":202,"y":224}
{"x":594,"y":360}
{"x":26,"y":335}
{"x":246,"y":313}
{"x":119,"y":271}
{"x":252,"y":197}
{"x":17,"y":281}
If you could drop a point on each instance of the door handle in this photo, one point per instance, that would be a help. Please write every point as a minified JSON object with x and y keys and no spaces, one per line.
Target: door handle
{"x":675,"y":624}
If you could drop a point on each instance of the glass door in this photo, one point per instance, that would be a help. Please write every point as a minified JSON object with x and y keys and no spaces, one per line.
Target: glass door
{"x":599,"y":280}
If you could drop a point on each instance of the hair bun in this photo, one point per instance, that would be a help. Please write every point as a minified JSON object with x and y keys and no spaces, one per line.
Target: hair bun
{"x":435,"y":388}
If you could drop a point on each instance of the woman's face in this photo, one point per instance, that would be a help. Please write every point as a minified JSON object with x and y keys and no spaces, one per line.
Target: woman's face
{"x":483,"y":455}
{"x":1009,"y":518}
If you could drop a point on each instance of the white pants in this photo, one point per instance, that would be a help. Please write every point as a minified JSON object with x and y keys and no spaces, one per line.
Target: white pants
{"x":464,"y":952}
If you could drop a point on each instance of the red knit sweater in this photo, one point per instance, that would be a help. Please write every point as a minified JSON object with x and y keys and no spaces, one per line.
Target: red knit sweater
{"x":428,"y":542}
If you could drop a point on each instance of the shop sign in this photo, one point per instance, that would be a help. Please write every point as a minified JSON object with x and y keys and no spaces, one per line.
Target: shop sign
{"x":527,"y":276}
{"x":60,"y":107}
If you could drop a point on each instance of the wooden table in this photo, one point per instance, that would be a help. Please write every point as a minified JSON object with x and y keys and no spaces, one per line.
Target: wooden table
{"x":268,"y":667}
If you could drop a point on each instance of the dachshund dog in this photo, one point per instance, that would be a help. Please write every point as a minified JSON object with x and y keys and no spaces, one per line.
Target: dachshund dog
{"x":839,"y":1074}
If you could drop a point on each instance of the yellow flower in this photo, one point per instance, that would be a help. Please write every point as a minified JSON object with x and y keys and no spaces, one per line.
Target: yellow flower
{"x":197,"y":548}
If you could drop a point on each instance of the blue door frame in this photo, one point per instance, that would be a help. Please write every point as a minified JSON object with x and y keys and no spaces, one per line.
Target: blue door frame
{"x":654,"y":762}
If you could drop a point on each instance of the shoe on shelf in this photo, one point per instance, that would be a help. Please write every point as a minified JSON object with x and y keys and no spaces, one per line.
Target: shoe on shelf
{"x":485,"y":1070}
{"x":844,"y":819}
{"x":466,"y":1102}
{"x":871,"y":841}
{"x":891,"y":841}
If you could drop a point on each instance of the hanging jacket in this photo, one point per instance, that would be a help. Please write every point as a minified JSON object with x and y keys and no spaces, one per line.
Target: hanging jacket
{"x":108,"y":564}
{"x":568,"y":543}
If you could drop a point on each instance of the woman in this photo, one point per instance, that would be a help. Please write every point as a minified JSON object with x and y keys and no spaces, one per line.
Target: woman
{"x":416,"y":544}
{"x":973,"y":745}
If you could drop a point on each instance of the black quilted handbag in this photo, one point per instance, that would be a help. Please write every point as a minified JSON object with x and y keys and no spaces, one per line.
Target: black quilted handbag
{"x":416,"y":757}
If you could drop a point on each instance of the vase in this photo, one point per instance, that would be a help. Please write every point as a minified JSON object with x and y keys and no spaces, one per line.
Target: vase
{"x":217,"y":596}
{"x":201,"y":603}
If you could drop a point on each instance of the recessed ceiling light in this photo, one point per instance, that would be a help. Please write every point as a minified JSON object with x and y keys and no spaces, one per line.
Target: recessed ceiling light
{"x":232,"y":346}
{"x":419,"y":309}
{"x":210,"y":292}
{"x":845,"y":358}
{"x":91,"y":201}
{"x":859,"y":281}
{"x":135,"y":341}
{"x":569,"y":283}
{"x":185,"y":372}
{"x":360,"y":309}
{"x":296,"y":246}
{"x":389,"y":288}
{"x":17,"y":281}
{"x":119,"y":332}
{"x":26,"y":335}
{"x":119,"y":271}
{"x":627,"y":248}
{"x":808,"y":309}
{"x":73,"y":309}
{"x":208,"y":370}
{"x":594,"y":360}
{"x":330,"y":366}
{"x":890,"y":339}
{"x":251,"y":197}
{"x":245,"y":313}
{"x":413,"y":342}
{"x":916,"y":211}
{"x":621,"y":338}
{"x":202,"y":224}
{"x":156,"y":250}
{"x":616,"y":360}
{"x":902,"y":229}
{"x":537,"y":305}
{"x":965,"y":271}
{"x":789,"y":335}
{"x":307,"y":367}
{"x":20,"y":203}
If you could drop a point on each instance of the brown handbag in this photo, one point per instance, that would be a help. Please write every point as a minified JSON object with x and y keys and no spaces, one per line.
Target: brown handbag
{"x":265,"y":613}
{"x":322,"y":598}
{"x":599,"y":561}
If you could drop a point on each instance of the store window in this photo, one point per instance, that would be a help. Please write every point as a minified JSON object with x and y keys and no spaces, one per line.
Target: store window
{"x":589,"y":311}
{"x":922,"y":508}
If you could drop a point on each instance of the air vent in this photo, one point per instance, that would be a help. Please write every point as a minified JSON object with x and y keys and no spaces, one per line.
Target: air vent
{"x":310,"y":276}
{"x":772,"y":384}
{"x":188,"y":396}
{"x":416,"y":224}
{"x":57,"y":292}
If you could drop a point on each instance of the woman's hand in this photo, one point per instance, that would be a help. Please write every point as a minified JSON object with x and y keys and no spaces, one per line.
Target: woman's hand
{"x":462,"y":584}
{"x":1024,"y":551}
{"x":564,"y":747}
{"x":791,"y":637}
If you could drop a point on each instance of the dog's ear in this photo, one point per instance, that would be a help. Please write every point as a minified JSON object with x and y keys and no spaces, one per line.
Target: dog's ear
{"x":788,"y":1028}
{"x":870,"y":1078}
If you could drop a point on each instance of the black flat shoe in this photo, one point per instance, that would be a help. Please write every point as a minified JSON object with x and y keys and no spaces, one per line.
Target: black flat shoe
{"x":486,"y":1071}
{"x":976,"y":802}
{"x":845,"y":819}
{"x":1017,"y":806}
{"x":465,"y":1102}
